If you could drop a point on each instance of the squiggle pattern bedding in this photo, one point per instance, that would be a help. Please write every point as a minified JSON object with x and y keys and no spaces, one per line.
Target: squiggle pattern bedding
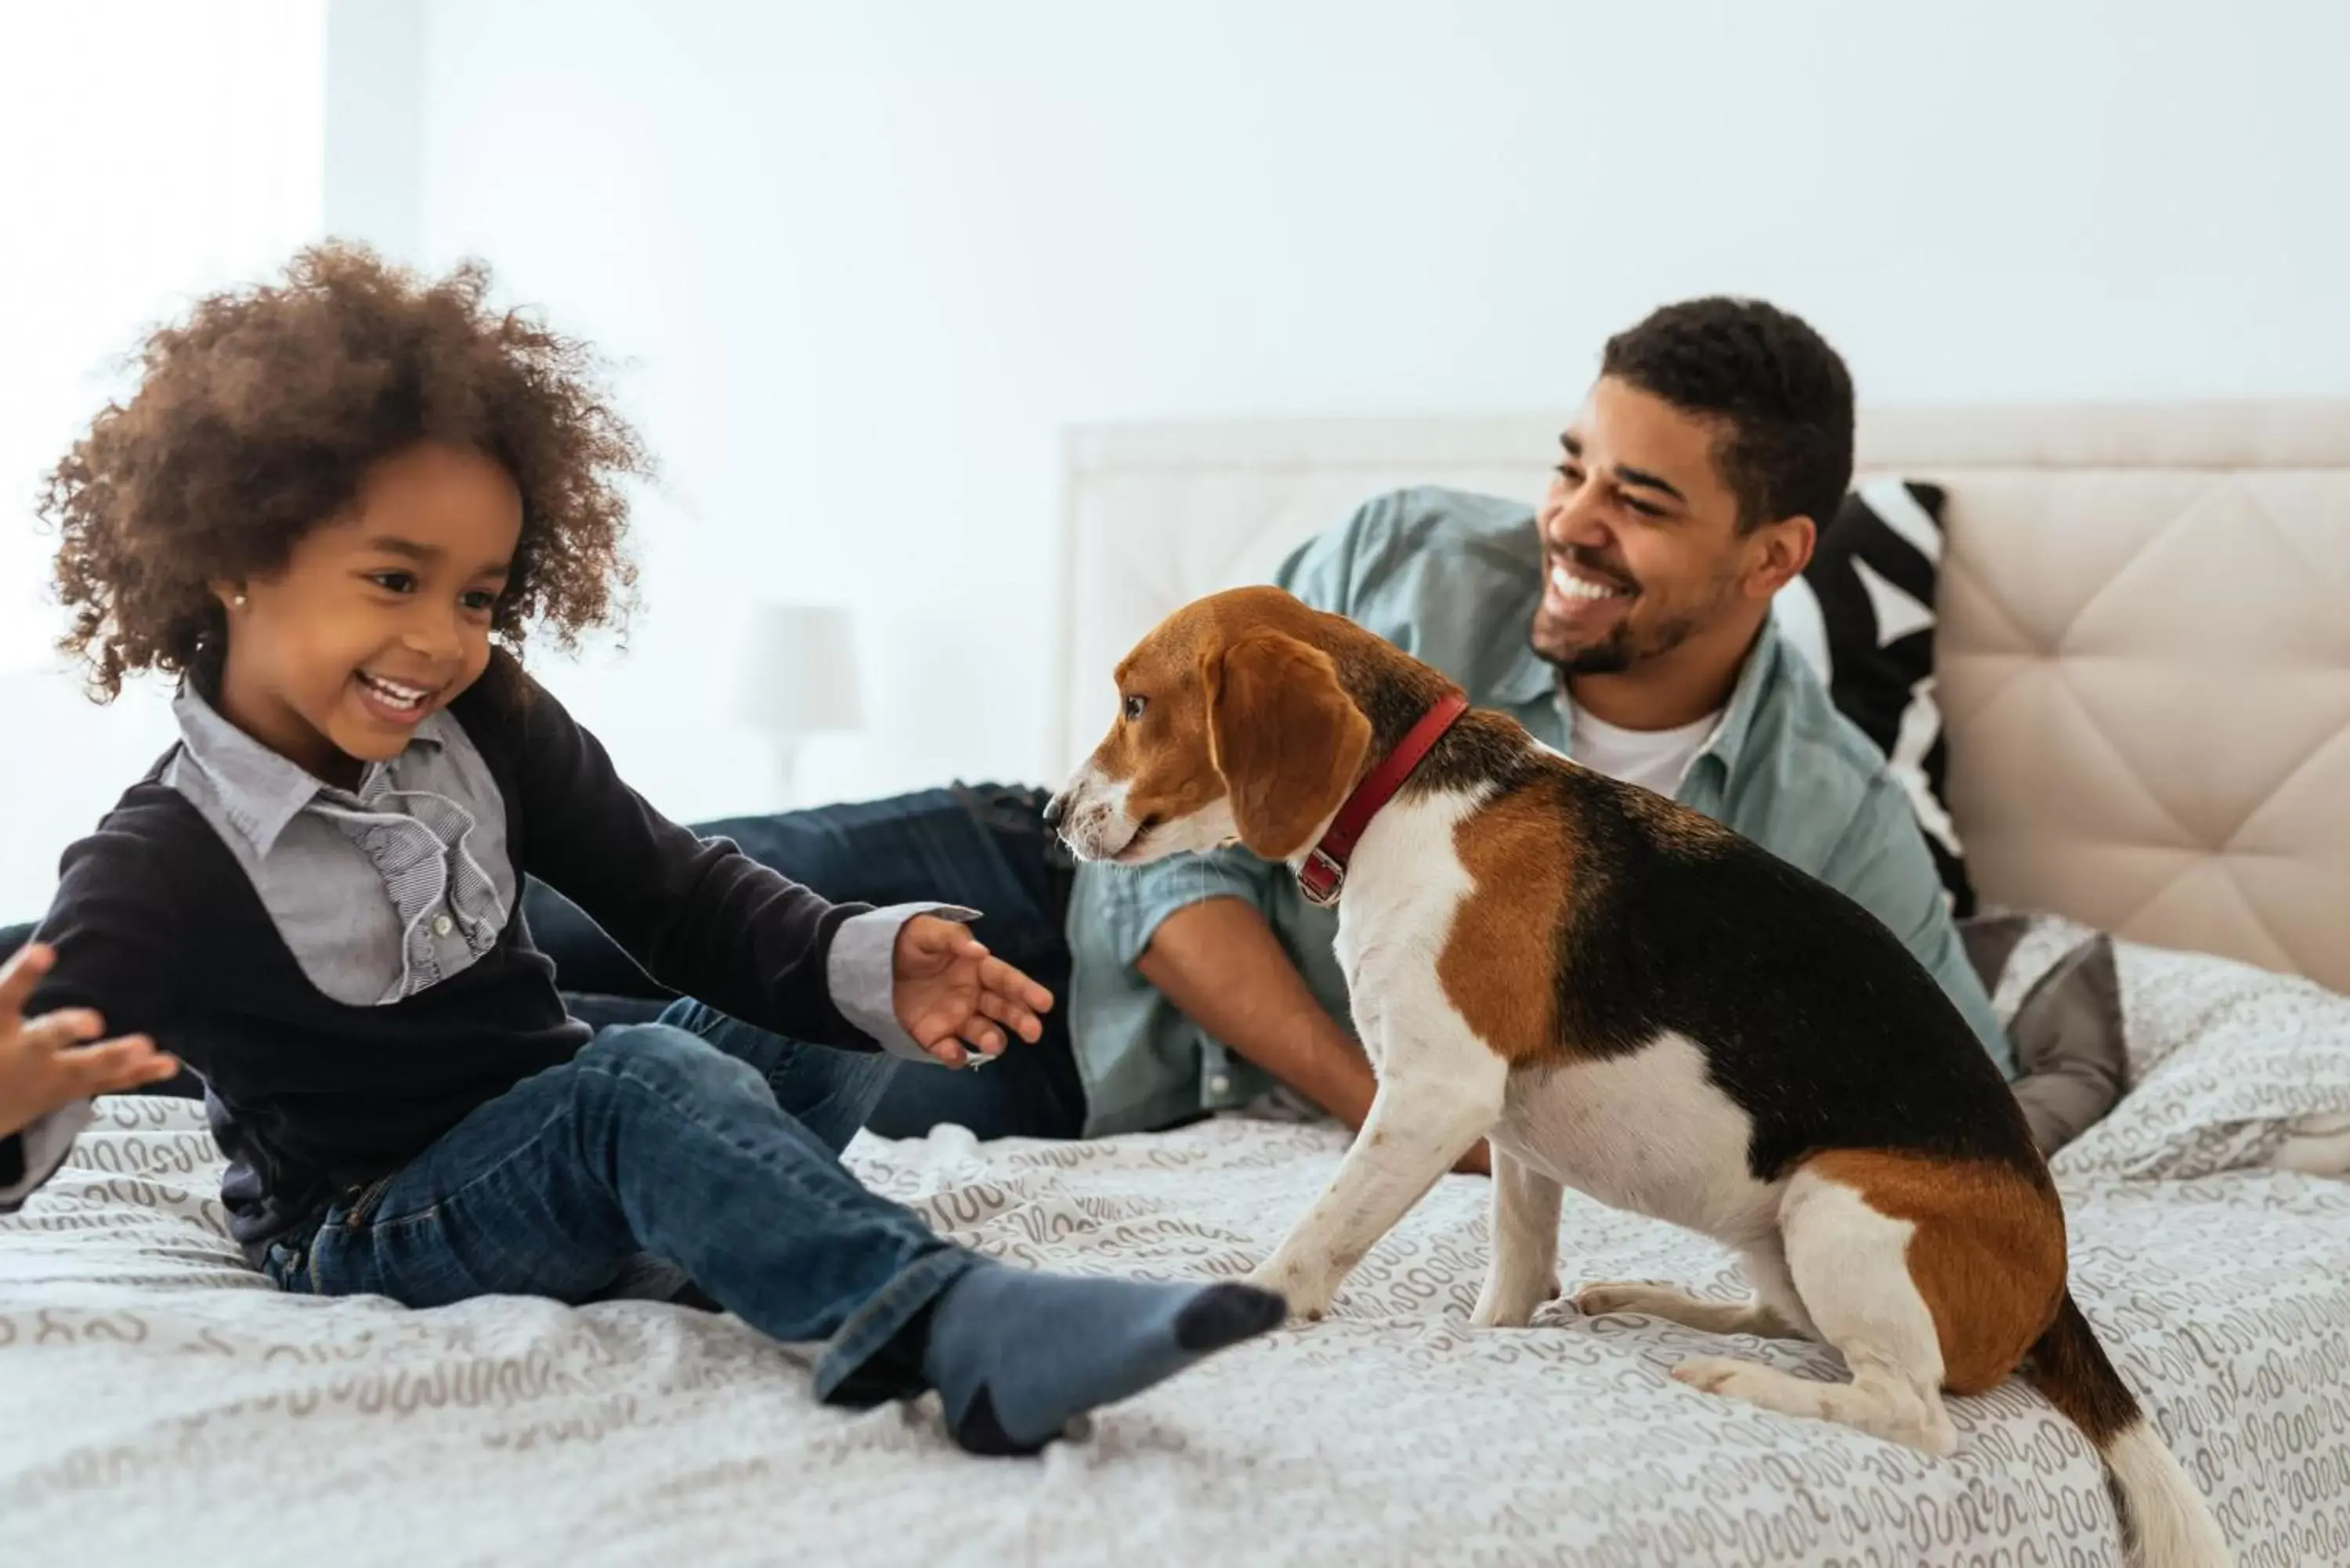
{"x":159,"y":1404}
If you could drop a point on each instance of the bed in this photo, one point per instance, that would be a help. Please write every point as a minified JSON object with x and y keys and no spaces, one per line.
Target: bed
{"x":2146,"y":683}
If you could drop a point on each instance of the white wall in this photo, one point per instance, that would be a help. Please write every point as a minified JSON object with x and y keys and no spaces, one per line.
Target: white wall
{"x":872,"y":257}
{"x":148,"y":152}
{"x":867,"y":258}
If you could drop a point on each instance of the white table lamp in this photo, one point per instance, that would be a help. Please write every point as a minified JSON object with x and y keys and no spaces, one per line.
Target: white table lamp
{"x":799,"y":678}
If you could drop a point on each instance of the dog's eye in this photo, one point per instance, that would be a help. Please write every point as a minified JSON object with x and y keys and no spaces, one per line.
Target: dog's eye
{"x":1134,"y":707}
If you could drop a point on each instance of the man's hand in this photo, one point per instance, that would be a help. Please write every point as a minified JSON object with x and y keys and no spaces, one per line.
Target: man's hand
{"x":49,"y":1062}
{"x":951,"y":995}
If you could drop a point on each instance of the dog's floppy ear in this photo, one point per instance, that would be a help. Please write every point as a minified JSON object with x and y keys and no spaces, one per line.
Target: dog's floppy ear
{"x":1283,"y":734}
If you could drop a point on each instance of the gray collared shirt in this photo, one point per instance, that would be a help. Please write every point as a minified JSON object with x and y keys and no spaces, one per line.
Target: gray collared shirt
{"x":379,"y":892}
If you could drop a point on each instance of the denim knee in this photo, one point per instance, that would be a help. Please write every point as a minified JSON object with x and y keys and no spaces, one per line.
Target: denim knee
{"x":674,"y":1064}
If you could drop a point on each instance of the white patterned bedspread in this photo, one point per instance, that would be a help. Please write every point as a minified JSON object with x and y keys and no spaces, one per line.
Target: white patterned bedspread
{"x":161,"y":1404}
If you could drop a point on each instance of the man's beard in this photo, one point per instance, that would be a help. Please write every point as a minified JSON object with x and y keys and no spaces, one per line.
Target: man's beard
{"x":1621,"y":650}
{"x":1617,"y":652}
{"x":1610,"y":655}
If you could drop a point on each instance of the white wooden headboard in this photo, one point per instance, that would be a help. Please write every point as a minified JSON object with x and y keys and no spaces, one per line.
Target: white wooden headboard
{"x":2144,"y":650}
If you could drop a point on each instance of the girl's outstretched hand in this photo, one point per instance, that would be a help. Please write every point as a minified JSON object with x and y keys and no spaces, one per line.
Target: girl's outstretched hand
{"x":49,"y":1062}
{"x":956,"y":999}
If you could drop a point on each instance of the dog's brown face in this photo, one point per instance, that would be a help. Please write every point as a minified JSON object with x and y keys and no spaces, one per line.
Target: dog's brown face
{"x":1232,"y":725}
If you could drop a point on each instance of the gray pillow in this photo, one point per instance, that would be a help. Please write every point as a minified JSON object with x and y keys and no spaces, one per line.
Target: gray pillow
{"x":2065,"y":1022}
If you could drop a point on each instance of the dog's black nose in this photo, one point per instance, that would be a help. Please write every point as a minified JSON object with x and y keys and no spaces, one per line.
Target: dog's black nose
{"x":1054,"y":809}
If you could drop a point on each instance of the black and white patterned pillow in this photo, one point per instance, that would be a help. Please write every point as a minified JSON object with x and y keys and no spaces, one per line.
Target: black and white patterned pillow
{"x":1863,"y":613}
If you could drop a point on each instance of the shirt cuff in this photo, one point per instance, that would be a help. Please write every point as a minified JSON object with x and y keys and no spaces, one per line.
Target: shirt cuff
{"x":1139,"y":902}
{"x":41,"y":1149}
{"x":862,"y":972}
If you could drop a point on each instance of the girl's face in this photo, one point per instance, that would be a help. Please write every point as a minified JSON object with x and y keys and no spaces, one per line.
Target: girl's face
{"x":379,"y":617}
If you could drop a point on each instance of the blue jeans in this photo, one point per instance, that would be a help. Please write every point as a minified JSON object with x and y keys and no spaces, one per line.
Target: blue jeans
{"x":693,"y":1138}
{"x":985,"y":847}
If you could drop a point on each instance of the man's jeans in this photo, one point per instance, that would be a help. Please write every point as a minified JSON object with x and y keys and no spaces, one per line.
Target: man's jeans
{"x":985,"y":847}
{"x":695,"y":1138}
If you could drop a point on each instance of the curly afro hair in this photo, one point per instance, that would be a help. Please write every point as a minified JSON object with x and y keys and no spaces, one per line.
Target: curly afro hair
{"x":256,"y":418}
{"x":1784,"y":394}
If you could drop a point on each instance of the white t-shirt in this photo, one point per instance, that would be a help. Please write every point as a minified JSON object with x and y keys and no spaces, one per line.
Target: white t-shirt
{"x":1653,"y":759}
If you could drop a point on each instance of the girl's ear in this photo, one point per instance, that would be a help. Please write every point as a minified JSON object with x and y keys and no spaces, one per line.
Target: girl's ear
{"x":231,"y":595}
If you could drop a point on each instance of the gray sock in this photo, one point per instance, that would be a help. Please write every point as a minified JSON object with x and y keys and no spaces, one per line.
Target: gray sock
{"x":1016,"y":1355}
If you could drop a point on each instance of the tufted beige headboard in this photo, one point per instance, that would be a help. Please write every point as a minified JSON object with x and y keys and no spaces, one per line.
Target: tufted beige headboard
{"x":2144,"y":650}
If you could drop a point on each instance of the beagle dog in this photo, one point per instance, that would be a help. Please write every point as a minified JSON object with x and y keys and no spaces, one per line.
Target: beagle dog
{"x":1625,"y":997}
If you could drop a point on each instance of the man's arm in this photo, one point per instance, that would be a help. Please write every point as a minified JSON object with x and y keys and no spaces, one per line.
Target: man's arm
{"x":1196,"y":927}
{"x":1881,"y":863}
{"x":1220,"y":963}
{"x":1203,"y":939}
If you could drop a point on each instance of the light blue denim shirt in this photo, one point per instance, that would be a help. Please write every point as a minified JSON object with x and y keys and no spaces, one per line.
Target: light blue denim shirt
{"x":1453,"y":579}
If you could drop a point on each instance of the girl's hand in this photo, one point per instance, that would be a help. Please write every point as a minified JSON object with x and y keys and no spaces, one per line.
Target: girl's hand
{"x":49,"y":1062}
{"x":950,"y":994}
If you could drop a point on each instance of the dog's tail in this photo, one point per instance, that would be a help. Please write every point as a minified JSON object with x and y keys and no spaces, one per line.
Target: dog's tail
{"x":2164,"y":1519}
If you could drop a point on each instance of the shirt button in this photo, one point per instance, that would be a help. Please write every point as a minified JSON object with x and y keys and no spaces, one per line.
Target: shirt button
{"x":443,"y":925}
{"x":1220,"y":1084}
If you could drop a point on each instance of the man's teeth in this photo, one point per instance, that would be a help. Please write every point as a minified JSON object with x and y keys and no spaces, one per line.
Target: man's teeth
{"x":1575,"y":587}
{"x":393,"y":692}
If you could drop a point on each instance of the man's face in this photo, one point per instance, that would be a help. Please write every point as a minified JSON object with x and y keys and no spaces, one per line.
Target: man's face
{"x":1641,"y":539}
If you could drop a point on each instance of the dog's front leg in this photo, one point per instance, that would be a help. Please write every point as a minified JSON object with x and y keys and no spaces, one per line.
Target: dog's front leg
{"x":1524,"y":1273}
{"x":1426,"y":1115}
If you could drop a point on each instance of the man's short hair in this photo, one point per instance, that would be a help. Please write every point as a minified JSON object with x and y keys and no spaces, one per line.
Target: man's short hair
{"x":1784,"y":394}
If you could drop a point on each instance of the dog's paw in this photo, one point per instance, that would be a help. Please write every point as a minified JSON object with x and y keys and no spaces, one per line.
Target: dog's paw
{"x":1634,"y":1296}
{"x":1498,"y":1307}
{"x":1716,"y":1375}
{"x":1305,"y":1302}
{"x":1493,"y":1312}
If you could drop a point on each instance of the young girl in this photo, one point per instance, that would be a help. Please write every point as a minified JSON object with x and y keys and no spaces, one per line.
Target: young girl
{"x":331,"y":509}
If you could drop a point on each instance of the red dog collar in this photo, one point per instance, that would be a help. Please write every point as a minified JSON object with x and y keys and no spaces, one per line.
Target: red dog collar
{"x":1325,"y":870}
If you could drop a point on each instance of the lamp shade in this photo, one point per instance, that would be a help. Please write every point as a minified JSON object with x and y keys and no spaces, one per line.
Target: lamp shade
{"x":799,"y":674}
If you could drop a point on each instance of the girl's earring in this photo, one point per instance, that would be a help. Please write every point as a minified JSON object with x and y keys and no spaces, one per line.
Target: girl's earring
{"x":236,"y":601}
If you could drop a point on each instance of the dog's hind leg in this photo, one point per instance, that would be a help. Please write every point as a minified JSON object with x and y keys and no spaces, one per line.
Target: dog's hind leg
{"x":1774,"y":1311}
{"x":1849,"y":1263}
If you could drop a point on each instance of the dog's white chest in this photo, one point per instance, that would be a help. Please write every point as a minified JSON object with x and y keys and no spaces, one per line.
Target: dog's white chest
{"x":1401,"y":897}
{"x":1645,"y":1132}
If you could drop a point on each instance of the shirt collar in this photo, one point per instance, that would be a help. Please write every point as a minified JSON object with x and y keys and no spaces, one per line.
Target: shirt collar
{"x":260,"y":792}
{"x":1756,"y":679}
{"x":1533,"y":678}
